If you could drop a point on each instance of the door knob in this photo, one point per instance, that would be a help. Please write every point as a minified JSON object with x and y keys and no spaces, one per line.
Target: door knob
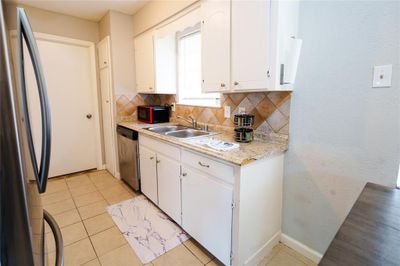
{"x":88,"y":116}
{"x":184,"y":174}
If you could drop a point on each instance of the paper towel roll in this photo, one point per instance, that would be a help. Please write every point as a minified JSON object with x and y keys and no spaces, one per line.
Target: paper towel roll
{"x":292,"y":61}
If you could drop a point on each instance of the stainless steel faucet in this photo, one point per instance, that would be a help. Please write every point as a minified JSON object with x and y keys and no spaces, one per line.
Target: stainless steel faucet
{"x":192,"y":120}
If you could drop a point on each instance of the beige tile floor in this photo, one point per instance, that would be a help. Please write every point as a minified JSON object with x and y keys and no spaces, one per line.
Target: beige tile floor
{"x":91,"y":238}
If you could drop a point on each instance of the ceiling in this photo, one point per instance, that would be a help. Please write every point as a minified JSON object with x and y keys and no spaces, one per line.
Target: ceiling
{"x":92,"y":10}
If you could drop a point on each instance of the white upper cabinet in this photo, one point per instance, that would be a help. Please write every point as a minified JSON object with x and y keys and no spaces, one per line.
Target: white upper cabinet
{"x":249,"y":45}
{"x":250,"y":36}
{"x":165,"y":63}
{"x":144,"y":63}
{"x":215,"y":45}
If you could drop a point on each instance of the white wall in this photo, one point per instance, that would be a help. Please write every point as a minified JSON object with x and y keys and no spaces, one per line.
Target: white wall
{"x":55,"y":23}
{"x":155,"y":12}
{"x":343,"y":132}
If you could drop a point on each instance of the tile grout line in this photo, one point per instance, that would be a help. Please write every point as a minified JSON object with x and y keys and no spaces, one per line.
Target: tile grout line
{"x":90,"y":239}
{"x":194,"y":254}
{"x":76,"y":208}
{"x":88,"y":236}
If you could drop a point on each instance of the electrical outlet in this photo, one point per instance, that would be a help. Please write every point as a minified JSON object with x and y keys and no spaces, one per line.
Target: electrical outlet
{"x":227,"y":111}
{"x":242,"y":110}
{"x":173,"y":107}
{"x":382,"y":76}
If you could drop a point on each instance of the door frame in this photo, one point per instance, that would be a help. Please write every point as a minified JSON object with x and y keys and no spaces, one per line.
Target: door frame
{"x":114,"y":141}
{"x":94,"y":87}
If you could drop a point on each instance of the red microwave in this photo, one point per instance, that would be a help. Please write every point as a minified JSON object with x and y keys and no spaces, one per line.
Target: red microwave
{"x":153,"y":113}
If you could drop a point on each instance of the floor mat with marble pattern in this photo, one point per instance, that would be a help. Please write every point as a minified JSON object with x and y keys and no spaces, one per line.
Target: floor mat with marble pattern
{"x":147,"y":229}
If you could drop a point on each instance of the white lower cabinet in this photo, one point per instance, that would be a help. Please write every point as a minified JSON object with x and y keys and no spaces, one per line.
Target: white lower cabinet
{"x":233,"y":211}
{"x":148,"y":173}
{"x":207,"y":212}
{"x":169,"y":183}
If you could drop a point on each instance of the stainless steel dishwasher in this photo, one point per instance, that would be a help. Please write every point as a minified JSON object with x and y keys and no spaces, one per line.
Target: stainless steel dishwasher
{"x":128,"y":157}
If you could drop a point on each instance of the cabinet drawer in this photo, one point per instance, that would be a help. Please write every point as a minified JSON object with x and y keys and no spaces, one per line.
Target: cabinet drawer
{"x":209,"y":166}
{"x":160,"y":147}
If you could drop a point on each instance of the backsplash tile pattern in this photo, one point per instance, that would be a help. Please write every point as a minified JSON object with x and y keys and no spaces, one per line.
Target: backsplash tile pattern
{"x":271,"y":109}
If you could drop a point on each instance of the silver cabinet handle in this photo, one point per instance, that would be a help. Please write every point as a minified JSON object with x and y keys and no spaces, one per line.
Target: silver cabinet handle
{"x":235,"y":83}
{"x":57,"y":237}
{"x":88,"y":116}
{"x":222,"y":85}
{"x":158,"y":161}
{"x":152,"y":157}
{"x":25,"y":33}
{"x":151,"y":88}
{"x":204,"y":165}
{"x":184,"y":174}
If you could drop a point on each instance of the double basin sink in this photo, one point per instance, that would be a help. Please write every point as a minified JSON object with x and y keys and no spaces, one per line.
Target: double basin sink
{"x":179,"y":131}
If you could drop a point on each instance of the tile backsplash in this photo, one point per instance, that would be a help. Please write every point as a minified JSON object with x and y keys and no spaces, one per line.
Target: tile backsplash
{"x":271,"y":109}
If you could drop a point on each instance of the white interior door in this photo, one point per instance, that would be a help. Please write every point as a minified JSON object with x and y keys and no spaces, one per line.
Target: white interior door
{"x":107,"y":120}
{"x":68,"y":71}
{"x":107,"y":106}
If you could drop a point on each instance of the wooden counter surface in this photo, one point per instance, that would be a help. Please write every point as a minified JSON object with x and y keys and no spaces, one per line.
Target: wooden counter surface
{"x":370,"y":235}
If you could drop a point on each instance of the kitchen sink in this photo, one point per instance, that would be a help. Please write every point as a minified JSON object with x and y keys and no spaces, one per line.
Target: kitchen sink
{"x":165,"y":129}
{"x":179,"y":131}
{"x":188,"y":133}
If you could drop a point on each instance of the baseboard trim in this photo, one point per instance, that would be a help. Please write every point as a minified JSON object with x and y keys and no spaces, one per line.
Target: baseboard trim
{"x":117,"y":175}
{"x":260,"y":254}
{"x":301,"y":248}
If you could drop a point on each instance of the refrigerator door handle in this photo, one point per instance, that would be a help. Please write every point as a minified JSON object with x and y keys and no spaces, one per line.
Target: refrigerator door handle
{"x":24,"y":31}
{"x":57,"y":237}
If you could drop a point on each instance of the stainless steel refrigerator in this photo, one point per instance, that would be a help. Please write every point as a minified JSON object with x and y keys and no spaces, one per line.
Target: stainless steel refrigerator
{"x":23,"y":177}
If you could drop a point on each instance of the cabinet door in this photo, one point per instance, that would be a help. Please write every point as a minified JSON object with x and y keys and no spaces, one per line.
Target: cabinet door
{"x":250,"y":36}
{"x":103,"y":54}
{"x":215,"y":41}
{"x":165,"y":63}
{"x":148,"y":173}
{"x":169,"y":187}
{"x":207,"y":212}
{"x":144,"y":63}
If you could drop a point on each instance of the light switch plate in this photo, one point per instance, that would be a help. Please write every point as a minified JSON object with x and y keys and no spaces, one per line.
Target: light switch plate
{"x":382,"y":76}
{"x":227,"y":111}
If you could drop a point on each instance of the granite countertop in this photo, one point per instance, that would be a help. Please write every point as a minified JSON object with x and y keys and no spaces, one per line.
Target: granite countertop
{"x":244,"y":154}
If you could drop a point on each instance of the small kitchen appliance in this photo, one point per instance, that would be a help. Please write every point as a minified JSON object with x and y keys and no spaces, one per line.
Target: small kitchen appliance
{"x":153,"y":113}
{"x":243,"y":127}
